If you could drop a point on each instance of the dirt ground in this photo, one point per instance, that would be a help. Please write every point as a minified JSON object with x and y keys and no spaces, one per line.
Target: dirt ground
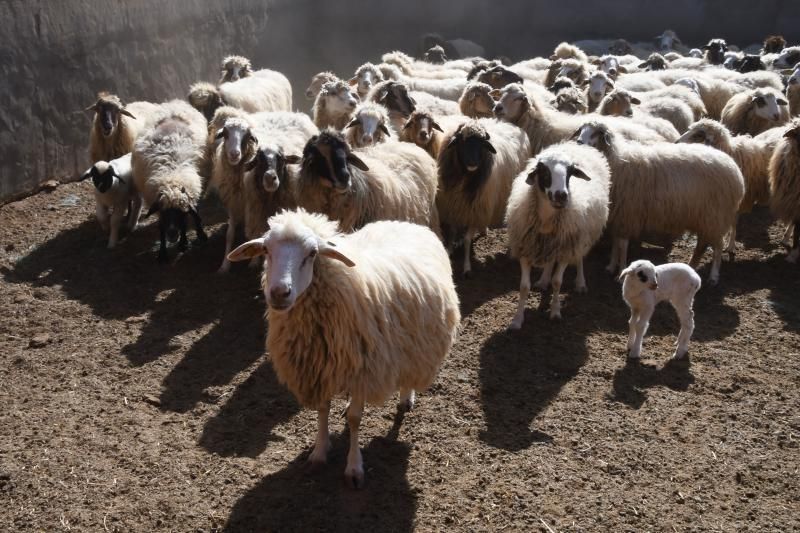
{"x":137,"y":397}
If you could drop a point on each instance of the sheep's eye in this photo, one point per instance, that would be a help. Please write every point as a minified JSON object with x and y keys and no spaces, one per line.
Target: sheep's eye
{"x":642,"y":276}
{"x":760,"y":102}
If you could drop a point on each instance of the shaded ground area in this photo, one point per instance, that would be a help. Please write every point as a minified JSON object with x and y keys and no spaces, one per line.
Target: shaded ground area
{"x":137,"y":397}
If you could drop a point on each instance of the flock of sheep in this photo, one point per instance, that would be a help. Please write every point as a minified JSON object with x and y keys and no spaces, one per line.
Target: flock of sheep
{"x":356,"y":210}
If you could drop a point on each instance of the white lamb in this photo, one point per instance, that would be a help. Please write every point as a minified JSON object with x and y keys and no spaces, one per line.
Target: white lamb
{"x":363,"y":314}
{"x":115,"y":191}
{"x":644,"y":285}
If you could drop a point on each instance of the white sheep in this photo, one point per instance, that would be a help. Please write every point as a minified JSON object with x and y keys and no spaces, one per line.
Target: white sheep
{"x":116,"y":126}
{"x":115,"y":192}
{"x":378,"y":313}
{"x":644,"y":285}
{"x":388,"y":181}
{"x":619,"y":102}
{"x":317,"y":81}
{"x":165,"y":164}
{"x":598,"y":85}
{"x":370,"y":125}
{"x":784,"y":181}
{"x":365,"y":77}
{"x":546,"y":126}
{"x":554,"y":221}
{"x":263,"y":90}
{"x":667,"y":189}
{"x":787,"y":58}
{"x":400,"y":102}
{"x":477,"y":166}
{"x":755,"y":111}
{"x":334,"y":105}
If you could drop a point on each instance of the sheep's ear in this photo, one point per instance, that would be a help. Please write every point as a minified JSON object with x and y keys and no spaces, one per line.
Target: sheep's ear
{"x":576,"y":133}
{"x":353,"y":81}
{"x":382,"y":96}
{"x":127,"y":113}
{"x":435,"y":126}
{"x":408,"y":124}
{"x":413,"y":102}
{"x":577,"y":172}
{"x":92,"y":107}
{"x":220,"y":133}
{"x":792,"y":132}
{"x":635,"y":100}
{"x":622,"y":69}
{"x":781,"y":101}
{"x":352,"y":124}
{"x":624,"y":273}
{"x":153,"y":208}
{"x":553,"y":57}
{"x":356,"y":162}
{"x":533,"y":174}
{"x":643,"y":64}
{"x":248,"y":250}
{"x":384,"y":129}
{"x":329,"y":249}
{"x":292,"y":159}
{"x":489,"y":146}
{"x":610,"y":85}
{"x":86,"y":175}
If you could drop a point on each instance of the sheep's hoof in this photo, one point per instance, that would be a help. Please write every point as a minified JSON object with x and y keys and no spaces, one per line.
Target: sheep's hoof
{"x":354,"y":477}
{"x":633,"y":356}
{"x":713,"y":282}
{"x":555,"y":316}
{"x":680,"y":355}
{"x":468,"y":274}
{"x":515,"y":325}
{"x":581,"y":289}
{"x":111,"y":245}
{"x":404,"y":406}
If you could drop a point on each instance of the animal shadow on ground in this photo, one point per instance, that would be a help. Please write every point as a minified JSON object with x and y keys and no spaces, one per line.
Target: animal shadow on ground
{"x":635,"y":375}
{"x":244,"y":424}
{"x":295,"y":499}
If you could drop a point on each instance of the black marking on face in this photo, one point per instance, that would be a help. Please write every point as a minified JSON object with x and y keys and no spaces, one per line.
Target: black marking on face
{"x":642,"y":276}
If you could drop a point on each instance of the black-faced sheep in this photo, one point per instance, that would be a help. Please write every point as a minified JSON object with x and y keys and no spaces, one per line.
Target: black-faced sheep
{"x":477,"y":165}
{"x":715,"y":51}
{"x":115,"y":126}
{"x":553,"y":220}
{"x":379,"y":312}
{"x":234,"y":68}
{"x":165,"y":170}
{"x":667,"y":189}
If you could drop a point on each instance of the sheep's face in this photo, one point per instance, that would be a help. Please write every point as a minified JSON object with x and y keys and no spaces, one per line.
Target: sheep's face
{"x":512,"y":103}
{"x":642,"y":273}
{"x":793,"y":134}
{"x":788,"y":58}
{"x":715,"y":51}
{"x":472,"y":148}
{"x":235,"y":68}
{"x":689,"y":83}
{"x":370,"y":128}
{"x":107,"y":113}
{"x":619,"y":103}
{"x":499,"y":76}
{"x":435,"y":55}
{"x":365,"y":79}
{"x":327,"y":157}
{"x":571,"y":102}
{"x":767,"y":106}
{"x":750,"y":63}
{"x":599,"y":85}
{"x":610,"y":65}
{"x":338,"y":98}
{"x":237,"y":139}
{"x":394,"y":97}
{"x":654,"y":62}
{"x":594,"y":135}
{"x":552,"y":178}
{"x":269,"y":168}
{"x":667,"y":40}
{"x":317,"y":81}
{"x":419,"y":128}
{"x":102,"y":175}
{"x":479,"y":102}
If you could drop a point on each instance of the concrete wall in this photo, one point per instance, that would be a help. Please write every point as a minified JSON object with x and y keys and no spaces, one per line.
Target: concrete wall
{"x":57,"y":55}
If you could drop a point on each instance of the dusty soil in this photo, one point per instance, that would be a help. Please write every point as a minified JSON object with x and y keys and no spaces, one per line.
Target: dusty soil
{"x":137,"y":397}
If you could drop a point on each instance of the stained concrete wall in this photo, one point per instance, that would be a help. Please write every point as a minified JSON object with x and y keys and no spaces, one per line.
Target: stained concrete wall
{"x":57,"y":55}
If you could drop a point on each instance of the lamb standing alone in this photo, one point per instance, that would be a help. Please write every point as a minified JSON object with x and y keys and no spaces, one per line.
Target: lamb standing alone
{"x":115,"y":191}
{"x":644,"y":285}
{"x":363,"y":314}
{"x":553,"y":223}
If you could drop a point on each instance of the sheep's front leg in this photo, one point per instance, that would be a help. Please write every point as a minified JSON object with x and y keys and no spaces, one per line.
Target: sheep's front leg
{"x":580,"y":279}
{"x":730,"y":249}
{"x":198,"y":226}
{"x":623,"y":254}
{"x":524,"y":290}
{"x":354,"y":472}
{"x":640,"y":328}
{"x":319,"y":455}
{"x":713,"y":278}
{"x":555,"y":303}
{"x":614,"y":260}
{"x":230,"y":235}
{"x":632,"y":329}
{"x":544,"y":280}
{"x":468,"y":236}
{"x":183,"y":243}
{"x":699,"y":250}
{"x":407,"y":398}
{"x":686,"y":316}
{"x":116,"y":220}
{"x":102,"y":216}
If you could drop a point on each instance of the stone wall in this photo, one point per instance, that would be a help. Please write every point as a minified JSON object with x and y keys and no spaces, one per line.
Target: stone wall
{"x":57,"y":55}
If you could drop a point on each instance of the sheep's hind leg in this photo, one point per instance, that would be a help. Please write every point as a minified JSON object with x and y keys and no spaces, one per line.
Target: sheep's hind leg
{"x":713,"y":278}
{"x":555,"y":303}
{"x":524,"y":290}
{"x":467,"y":250}
{"x":699,"y":250}
{"x":319,"y":455}
{"x":686,"y":316}
{"x":580,"y":278}
{"x":544,"y":280}
{"x":116,"y":220}
{"x":640,"y":329}
{"x":407,"y":399}
{"x":198,"y":226}
{"x":354,"y":472}
{"x":730,"y":249}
